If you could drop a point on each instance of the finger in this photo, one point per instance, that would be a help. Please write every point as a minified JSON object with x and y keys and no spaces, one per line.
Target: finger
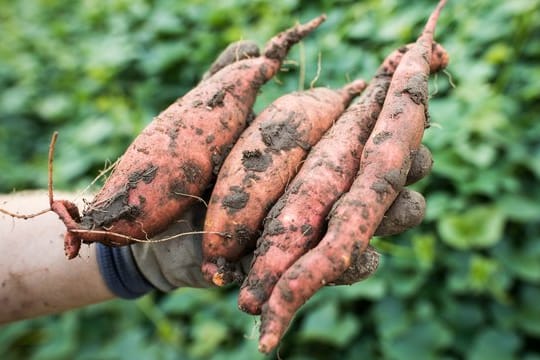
{"x":238,"y":50}
{"x":362,"y":266}
{"x":407,"y":211}
{"x":421,"y":165}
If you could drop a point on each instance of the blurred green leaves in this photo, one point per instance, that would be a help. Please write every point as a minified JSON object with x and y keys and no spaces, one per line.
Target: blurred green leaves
{"x":325,"y":324}
{"x":463,"y":284}
{"x":478,"y":227}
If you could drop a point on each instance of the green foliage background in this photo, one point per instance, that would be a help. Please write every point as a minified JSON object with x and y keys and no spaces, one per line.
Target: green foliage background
{"x":464,"y":284}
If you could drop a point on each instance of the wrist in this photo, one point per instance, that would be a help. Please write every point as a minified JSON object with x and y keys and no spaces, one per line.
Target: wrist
{"x":121,"y":273}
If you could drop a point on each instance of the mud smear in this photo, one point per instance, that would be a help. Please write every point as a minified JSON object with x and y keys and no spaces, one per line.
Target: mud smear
{"x":219,"y":156}
{"x":286,"y":294}
{"x":259,"y":287}
{"x":192,"y":172}
{"x":250,"y":179}
{"x":113,"y":210}
{"x":177,"y":189}
{"x":282,"y":135}
{"x":146,"y":175}
{"x":242,"y":235}
{"x":306,"y":229}
{"x":275,"y":227}
{"x":117,"y":207}
{"x":417,"y":89}
{"x":382,"y":137}
{"x":217,"y":99}
{"x":256,"y":160}
{"x":235,"y":200}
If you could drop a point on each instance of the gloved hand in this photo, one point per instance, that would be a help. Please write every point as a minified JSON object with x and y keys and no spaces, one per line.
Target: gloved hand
{"x":134,"y":270}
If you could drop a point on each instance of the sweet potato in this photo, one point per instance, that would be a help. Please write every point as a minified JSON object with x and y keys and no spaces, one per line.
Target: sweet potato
{"x":327,"y":173}
{"x":385,"y":162}
{"x":175,"y":157}
{"x":258,"y":168}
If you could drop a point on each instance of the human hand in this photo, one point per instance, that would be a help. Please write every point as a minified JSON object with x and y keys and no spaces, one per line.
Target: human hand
{"x":176,"y":263}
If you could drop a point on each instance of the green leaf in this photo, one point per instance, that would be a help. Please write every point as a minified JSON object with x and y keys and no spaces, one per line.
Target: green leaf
{"x":373,"y":288}
{"x":422,"y":340}
{"x":424,"y":249}
{"x":440,"y":203}
{"x":520,"y":207}
{"x":523,"y":260}
{"x":324,"y":324}
{"x":207,"y":336}
{"x":463,"y":315}
{"x":528,"y":312}
{"x":495,"y":344}
{"x":61,"y":341}
{"x":481,"y":270}
{"x":184,"y":301}
{"x":478,"y":227}
{"x":391,"y":317}
{"x":54,"y":107}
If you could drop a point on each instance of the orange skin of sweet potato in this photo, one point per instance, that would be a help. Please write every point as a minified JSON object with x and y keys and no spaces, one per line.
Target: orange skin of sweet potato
{"x":326,"y":174}
{"x":260,"y":165}
{"x":384,"y":165}
{"x":174,"y":159}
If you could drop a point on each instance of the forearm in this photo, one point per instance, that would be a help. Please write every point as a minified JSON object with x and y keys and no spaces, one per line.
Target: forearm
{"x":35,"y":277}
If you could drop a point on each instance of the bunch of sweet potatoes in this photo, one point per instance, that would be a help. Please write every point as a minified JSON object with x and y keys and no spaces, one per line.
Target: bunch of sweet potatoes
{"x":303,"y":186}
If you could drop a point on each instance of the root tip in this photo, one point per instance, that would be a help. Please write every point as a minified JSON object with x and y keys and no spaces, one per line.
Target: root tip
{"x":248,"y":303}
{"x":219,"y":279}
{"x":267,"y":343}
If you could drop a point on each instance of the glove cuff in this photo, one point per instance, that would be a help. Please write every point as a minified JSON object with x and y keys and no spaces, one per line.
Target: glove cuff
{"x":120,"y":272}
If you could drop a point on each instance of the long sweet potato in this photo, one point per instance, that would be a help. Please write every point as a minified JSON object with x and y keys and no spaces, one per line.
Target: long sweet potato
{"x":326,"y":174}
{"x":385,"y":162}
{"x":175,"y":157}
{"x":258,"y":168}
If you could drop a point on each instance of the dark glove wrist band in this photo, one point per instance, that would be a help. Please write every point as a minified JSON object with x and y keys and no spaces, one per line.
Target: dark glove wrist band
{"x":120,"y":272}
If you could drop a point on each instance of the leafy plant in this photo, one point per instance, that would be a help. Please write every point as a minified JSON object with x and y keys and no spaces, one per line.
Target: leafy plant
{"x":464,"y":284}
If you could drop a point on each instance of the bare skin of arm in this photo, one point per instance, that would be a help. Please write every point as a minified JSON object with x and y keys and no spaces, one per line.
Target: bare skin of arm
{"x":35,"y":277}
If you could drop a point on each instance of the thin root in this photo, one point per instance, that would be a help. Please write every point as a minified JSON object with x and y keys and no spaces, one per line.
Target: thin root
{"x":50,"y":170}
{"x":318,"y":74}
{"x":302,"y":68}
{"x":450,"y":78}
{"x":436,"y":90}
{"x":130,"y":238}
{"x":253,"y":335}
{"x":49,"y":185}
{"x":24,"y":216}
{"x":193,"y":196}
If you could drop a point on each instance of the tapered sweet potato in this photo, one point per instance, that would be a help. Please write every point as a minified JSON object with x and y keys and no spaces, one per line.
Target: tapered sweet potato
{"x":326,"y":174}
{"x":175,"y":157}
{"x":385,"y":162}
{"x":260,"y":165}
